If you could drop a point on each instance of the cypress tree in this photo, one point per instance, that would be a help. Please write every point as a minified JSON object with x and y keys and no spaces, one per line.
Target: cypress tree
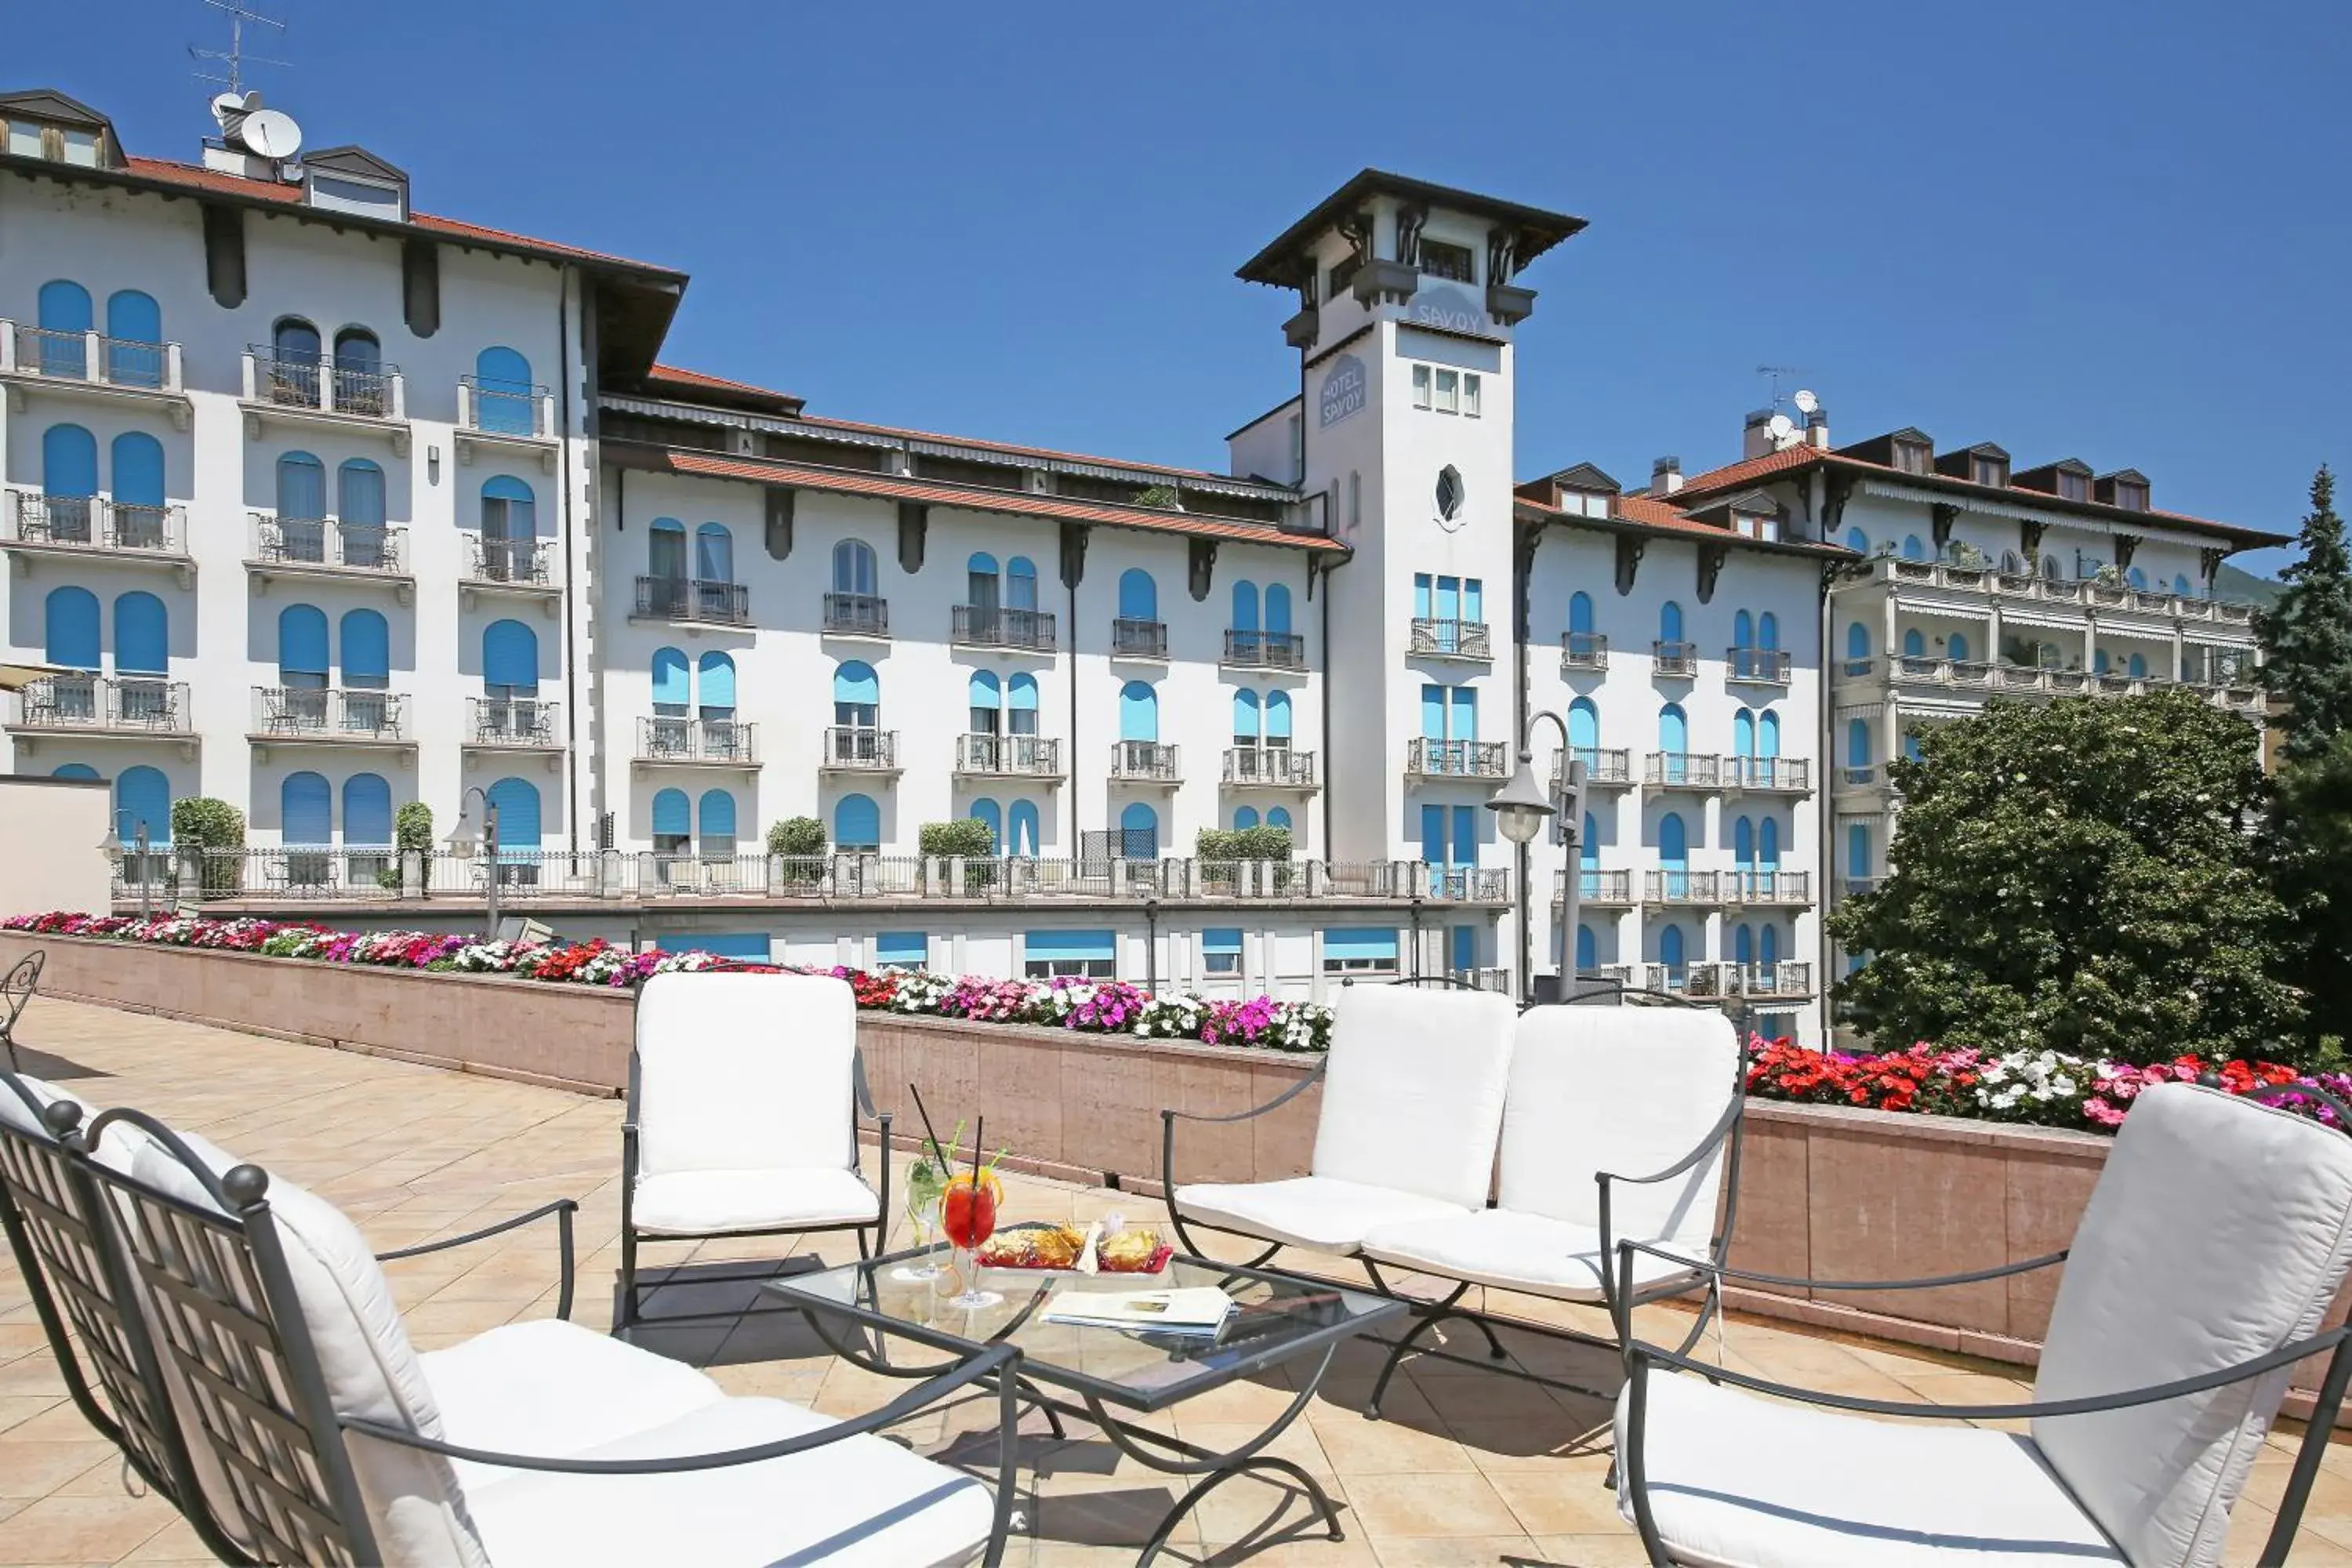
{"x":2307,"y":636}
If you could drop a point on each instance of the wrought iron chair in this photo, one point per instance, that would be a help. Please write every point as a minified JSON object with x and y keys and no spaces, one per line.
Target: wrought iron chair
{"x":2218,"y":1237}
{"x":15,"y":991}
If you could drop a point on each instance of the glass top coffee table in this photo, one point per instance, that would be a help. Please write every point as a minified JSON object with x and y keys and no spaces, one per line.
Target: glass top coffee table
{"x":1093,"y":1372}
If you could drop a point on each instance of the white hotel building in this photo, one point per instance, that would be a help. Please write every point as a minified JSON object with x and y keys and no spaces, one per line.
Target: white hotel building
{"x":321,"y":505}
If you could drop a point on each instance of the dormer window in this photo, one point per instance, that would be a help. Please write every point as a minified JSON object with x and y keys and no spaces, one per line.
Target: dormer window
{"x":1989,"y":471}
{"x":1913,"y":457}
{"x":1452,"y":262}
{"x":2073,"y":485}
{"x":2131,"y":495}
{"x":58,"y":144}
{"x":354,"y":180}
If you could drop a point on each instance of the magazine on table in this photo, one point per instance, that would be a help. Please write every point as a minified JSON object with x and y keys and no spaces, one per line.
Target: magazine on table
{"x":1198,"y":1309}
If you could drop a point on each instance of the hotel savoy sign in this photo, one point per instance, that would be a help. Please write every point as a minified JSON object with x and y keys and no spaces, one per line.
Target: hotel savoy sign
{"x":1344,"y":390}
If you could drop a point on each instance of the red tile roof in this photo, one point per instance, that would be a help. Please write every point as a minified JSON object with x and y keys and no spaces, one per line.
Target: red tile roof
{"x":681,"y":376}
{"x":1020,"y":451}
{"x":1652,"y":515}
{"x":1753,"y":468}
{"x":973,"y":498}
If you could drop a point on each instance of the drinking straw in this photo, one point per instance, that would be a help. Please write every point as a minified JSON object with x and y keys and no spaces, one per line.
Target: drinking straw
{"x":978,"y":1143}
{"x":931,"y":1132}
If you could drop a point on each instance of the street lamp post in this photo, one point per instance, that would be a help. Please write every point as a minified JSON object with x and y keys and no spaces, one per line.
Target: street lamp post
{"x":466,"y":835}
{"x":1521,"y":807}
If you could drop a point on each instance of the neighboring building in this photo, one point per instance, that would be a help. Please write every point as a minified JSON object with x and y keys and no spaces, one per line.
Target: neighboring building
{"x":326,"y":505}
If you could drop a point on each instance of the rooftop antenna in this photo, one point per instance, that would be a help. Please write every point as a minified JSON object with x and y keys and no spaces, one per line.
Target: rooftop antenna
{"x":1774,"y":370}
{"x":234,"y":59}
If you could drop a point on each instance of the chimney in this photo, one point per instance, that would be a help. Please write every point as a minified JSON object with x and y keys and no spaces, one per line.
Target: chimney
{"x":1756,"y":437}
{"x":1665,"y":475}
{"x":1817,"y":429}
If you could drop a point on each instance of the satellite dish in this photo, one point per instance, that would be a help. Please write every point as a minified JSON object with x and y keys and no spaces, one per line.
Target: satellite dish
{"x":271,"y":132}
{"x":1806,"y":401}
{"x":1782,"y":428}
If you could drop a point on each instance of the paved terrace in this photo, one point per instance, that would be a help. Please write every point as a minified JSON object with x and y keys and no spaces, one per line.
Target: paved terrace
{"x":1468,"y":1469}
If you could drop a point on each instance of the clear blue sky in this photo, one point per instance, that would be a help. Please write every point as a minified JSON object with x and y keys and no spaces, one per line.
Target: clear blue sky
{"x":2114,"y":230}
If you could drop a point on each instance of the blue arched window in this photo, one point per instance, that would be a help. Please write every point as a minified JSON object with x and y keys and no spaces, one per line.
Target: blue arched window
{"x":1857,"y":850}
{"x":1857,"y":743}
{"x":1244,"y":817}
{"x":359,"y":360}
{"x":857,"y":825}
{"x":143,"y":634}
{"x":714,"y":553}
{"x":1857,"y":541}
{"x":65,"y":316}
{"x":510,"y":509}
{"x":1579,"y":612}
{"x":72,"y":616}
{"x":1584,"y":730}
{"x":1670,"y":953}
{"x":2180,"y":586}
{"x":1912,"y":549}
{"x":2099,"y":661}
{"x":1245,"y":605}
{"x":1857,"y":648}
{"x":1246,"y":719}
{"x":294,"y":342}
{"x":1768,"y":946}
{"x":853,"y":567}
{"x":985,"y":696}
{"x":716,"y":812}
{"x":673,"y":822}
{"x":68,"y":471}
{"x":981,"y":582}
{"x":1670,"y":621}
{"x":1768,"y":630}
{"x":1768,"y":844}
{"x":988,"y":811}
{"x":1743,"y":630}
{"x":1279,"y":817}
{"x":1277,"y":609}
{"x":306,"y":810}
{"x":503,"y":399}
{"x":2138,"y":667}
{"x":301,"y":486}
{"x":1956,"y":646}
{"x":666,"y":560}
{"x":138,"y":463}
{"x":1768,"y":734}
{"x":74,"y":770}
{"x":2136,"y":578}
{"x":367,"y":650}
{"x":1588,"y":846}
{"x":1912,"y":745}
{"x":367,"y":810}
{"x":673,"y":685}
{"x":1743,"y":945}
{"x":1674,"y":842}
{"x":1743,"y":733}
{"x":1914,"y":644}
{"x":1021,"y":705}
{"x":1139,"y":595}
{"x":359,"y":504}
{"x":1139,"y":827}
{"x":1277,"y":718}
{"x":142,"y":794}
{"x":1021,"y":584}
{"x":1743,"y":843}
{"x":1674,"y":730}
{"x":509,"y":659}
{"x":302,"y":646}
{"x":1022,"y":822}
{"x":517,"y":801}
{"x":856,"y":694}
{"x":1588,"y":950}
{"x":1138,"y":711}
{"x":715,"y":686}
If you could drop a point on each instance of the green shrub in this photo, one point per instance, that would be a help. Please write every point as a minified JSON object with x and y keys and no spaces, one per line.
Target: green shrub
{"x":802,"y":835}
{"x":412,"y":829}
{"x":1158,"y":495}
{"x":1243,"y":844}
{"x":968,"y":836}
{"x":201,"y":822}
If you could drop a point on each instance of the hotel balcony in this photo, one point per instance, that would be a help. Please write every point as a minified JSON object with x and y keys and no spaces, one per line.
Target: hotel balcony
{"x":1696,"y":773}
{"x":1703,"y":888}
{"x":1971,"y":584}
{"x":1134,"y":638}
{"x":1756,"y":666}
{"x":329,"y":716}
{"x":1788,"y":980}
{"x":1487,"y":762}
{"x":1678,"y":660}
{"x":92,"y":367}
{"x":1247,"y":649}
{"x":1146,"y":762}
{"x":2226,"y":683}
{"x":693,"y":602}
{"x":1582,"y":651}
{"x":511,"y":568}
{"x":292,"y":547}
{"x":124,"y":707}
{"x":313,"y":392}
{"x":1269,"y":767}
{"x":1769,"y":776}
{"x":1435,"y":638}
{"x":856,"y":616}
{"x":513,"y":724}
{"x":851,"y":749}
{"x":505,"y":419}
{"x":1605,"y":768}
{"x":1595,"y":889}
{"x":1767,"y":889}
{"x":1009,"y":757}
{"x":92,"y":526}
{"x":988,"y":625}
{"x":696,"y":742}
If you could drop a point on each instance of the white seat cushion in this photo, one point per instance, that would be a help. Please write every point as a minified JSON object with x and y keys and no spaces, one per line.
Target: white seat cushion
{"x":861,"y":1501}
{"x":552,"y":1388}
{"x":1313,"y":1211}
{"x":740,"y":1072}
{"x":1735,"y":1480}
{"x":1412,"y":1101}
{"x":1511,"y":1251}
{"x":709,"y":1203}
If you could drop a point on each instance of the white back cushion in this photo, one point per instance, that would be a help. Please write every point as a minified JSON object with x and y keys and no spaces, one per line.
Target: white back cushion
{"x":2219,"y":1229}
{"x":413,"y":1502}
{"x":745,"y":1072}
{"x":1414,"y":1097}
{"x":1628,"y":1091}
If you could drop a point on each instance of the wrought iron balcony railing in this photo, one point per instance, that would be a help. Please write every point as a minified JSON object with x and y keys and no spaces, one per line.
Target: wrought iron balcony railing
{"x":991,"y":626}
{"x":1427,"y":758}
{"x":520,"y":562}
{"x":327,"y":713}
{"x":95,"y":522}
{"x":693,"y":599}
{"x":1248,"y":649}
{"x":1019,"y":755}
{"x":325,"y":542}
{"x":1595,"y":887}
{"x":501,"y":408}
{"x":1605,"y":767}
{"x":316,"y":384}
{"x":1790,"y":775}
{"x":1134,"y":638}
{"x":90,"y":358}
{"x":1441,"y":638}
{"x":667,"y":739}
{"x":1674,"y":659}
{"x":857,"y":615}
{"x":852,"y":748}
{"x":1147,"y":760}
{"x":1756,"y":666}
{"x":1684,"y":770}
{"x":514,"y":722}
{"x":137,"y":704}
{"x":1277,"y":767}
{"x":1583,"y":650}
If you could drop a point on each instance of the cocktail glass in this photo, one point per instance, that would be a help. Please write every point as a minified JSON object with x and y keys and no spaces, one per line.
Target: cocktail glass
{"x":923,"y":1216}
{"x":968,"y":1215}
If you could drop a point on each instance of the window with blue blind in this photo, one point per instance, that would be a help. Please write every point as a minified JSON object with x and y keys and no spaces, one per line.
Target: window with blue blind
{"x":1768,"y":844}
{"x":1743,"y":630}
{"x":673,"y":822}
{"x":1245,"y":719}
{"x":2138,"y":667}
{"x":1020,"y":825}
{"x":902,"y":950}
{"x":301,"y":487}
{"x":367,"y":810}
{"x":988,"y":811}
{"x":360,"y":356}
{"x":1857,"y":541}
{"x":1743,"y":733}
{"x":138,"y":463}
{"x":1139,"y":831}
{"x":1768,"y":734}
{"x":1139,"y":595}
{"x":1914,"y":644}
{"x":1278,"y":816}
{"x":1580,"y":613}
{"x":1245,"y":605}
{"x":517,"y":801}
{"x":1584,"y":730}
{"x":2136,"y":578}
{"x":509,"y":659}
{"x":2099,"y":662}
{"x":1221,"y":950}
{"x":984,"y":698}
{"x":143,"y":634}
{"x":1069,"y":955}
{"x":716,"y":812}
{"x":856,"y":694}
{"x":1911,"y":745}
{"x":1432,"y":835}
{"x":1857,"y":850}
{"x":673,"y":683}
{"x":744,"y":947}
{"x":1768,"y":630}
{"x":1359,"y":949}
{"x":1768,"y":945}
{"x":665,"y":549}
{"x":1670,"y":621}
{"x":1588,"y":950}
{"x":715,"y":685}
{"x":1674,"y":730}
{"x":1278,"y":608}
{"x":502,"y":392}
{"x":1857,"y":648}
{"x":74,"y":770}
{"x":1021,"y":584}
{"x":142,"y":796}
{"x":981,"y":581}
{"x":1743,"y":945}
{"x":1588,"y":847}
{"x":1462,"y":948}
{"x":857,"y":825}
{"x":2180,"y":586}
{"x":1021,"y":705}
{"x":134,"y":324}
{"x":71,"y":618}
{"x":1433,"y":713}
{"x":69,"y":464}
{"x":1138,"y":711}
{"x":1277,"y":719}
{"x":293,"y":342}
{"x":1674,"y":854}
{"x":1670,"y":953}
{"x":1246,"y":817}
{"x":714,"y":553}
{"x":1955,"y":647}
{"x":510,"y":509}
{"x":367,"y":650}
{"x":306,"y":810}
{"x":1743,"y":842}
{"x":1913,"y":549}
{"x":359,"y":501}
{"x":65,"y":314}
{"x":1464,"y":718}
{"x":302,"y":646}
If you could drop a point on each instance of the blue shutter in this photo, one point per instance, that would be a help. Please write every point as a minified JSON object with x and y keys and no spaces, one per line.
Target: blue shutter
{"x":1023,"y":825}
{"x":1743,"y":733}
{"x":1466,"y":713}
{"x":1221,"y":939}
{"x":1462,"y":947}
{"x":1768,"y":842}
{"x":74,"y":770}
{"x":1857,"y":541}
{"x":1140,"y":825}
{"x":1244,"y":816}
{"x":1432,"y":835}
{"x":1670,"y":621}
{"x":72,"y":617}
{"x":1857,"y":643}
{"x":1021,"y":693}
{"x":64,"y":309}
{"x":1857,"y":743}
{"x":1674,"y":842}
{"x":1433,"y":713}
{"x":1743,"y":945}
{"x":1277,"y":715}
{"x":1420,"y":607}
{"x":1069,"y":946}
{"x":1769,"y":948}
{"x":510,"y":504}
{"x":1743,"y":843}
{"x":743,"y":947}
{"x":306,"y":810}
{"x":1245,"y":715}
{"x":1673,"y":731}
{"x":1857,"y":850}
{"x":1768,"y":630}
{"x":301,"y":486}
{"x":367,"y":810}
{"x":857,"y":823}
{"x":1278,"y":817}
{"x":1360,"y":943}
{"x":672,"y":686}
{"x":673,"y":815}
{"x":1914,"y":644}
{"x":518,"y":804}
{"x":1957,"y":646}
{"x":1583,"y":726}
{"x":2099,"y":662}
{"x":1473,"y":599}
{"x":1588,"y":951}
{"x":855,"y":683}
{"x":1579,"y":612}
{"x":1021,"y":584}
{"x":367,"y":650}
{"x":143,"y":634}
{"x":2138,"y":667}
{"x":981,"y":564}
{"x":138,"y":470}
{"x":69,"y":461}
{"x":714,"y":553}
{"x":1670,"y":951}
{"x":302,"y":641}
{"x":902,"y":950}
{"x":984,"y":692}
{"x":1278,"y":608}
{"x":1912,"y":549}
{"x":1588,"y":847}
{"x":359,"y":494}
{"x":1743,"y":630}
{"x":142,"y":794}
{"x":714,"y":678}
{"x":718,"y":813}
{"x":1768,"y":735}
{"x":988,"y":811}
{"x":1138,"y":712}
{"x":1465,"y":835}
{"x":1245,"y":605}
{"x":503,"y":401}
{"x":1139,"y":595}
{"x":1449,"y":599}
